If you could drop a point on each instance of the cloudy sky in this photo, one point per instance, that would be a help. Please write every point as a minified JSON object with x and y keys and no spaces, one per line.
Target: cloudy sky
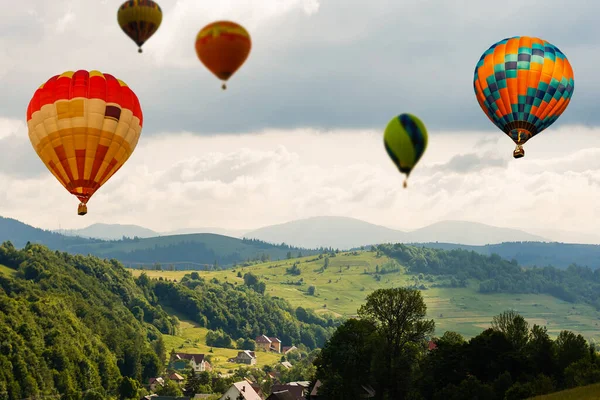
{"x":299,"y":131}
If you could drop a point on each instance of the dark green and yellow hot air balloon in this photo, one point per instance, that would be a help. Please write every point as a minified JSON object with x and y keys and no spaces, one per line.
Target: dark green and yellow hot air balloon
{"x":139,"y":19}
{"x":405,"y":140}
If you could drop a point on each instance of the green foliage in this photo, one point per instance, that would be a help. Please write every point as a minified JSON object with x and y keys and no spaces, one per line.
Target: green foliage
{"x":293,"y":270}
{"x":241,"y":312}
{"x":74,"y":323}
{"x":219,"y":338}
{"x":497,"y":275}
{"x":508,"y":361}
{"x":254,"y":283}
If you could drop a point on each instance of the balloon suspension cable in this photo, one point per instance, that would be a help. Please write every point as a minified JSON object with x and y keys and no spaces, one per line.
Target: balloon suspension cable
{"x":224,"y":86}
{"x":139,"y":50}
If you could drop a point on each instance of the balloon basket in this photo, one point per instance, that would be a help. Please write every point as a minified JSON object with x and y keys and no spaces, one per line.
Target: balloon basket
{"x":82,"y":209}
{"x":224,"y":86}
{"x":140,"y":50}
{"x":519,"y":152}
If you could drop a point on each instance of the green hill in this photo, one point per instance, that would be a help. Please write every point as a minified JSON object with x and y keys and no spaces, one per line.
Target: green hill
{"x":66,"y":324}
{"x":590,"y":392}
{"x":541,"y":254}
{"x":456,"y":302}
{"x":195,"y":251}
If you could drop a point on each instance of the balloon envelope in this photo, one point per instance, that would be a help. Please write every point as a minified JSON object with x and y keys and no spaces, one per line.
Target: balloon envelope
{"x":223,"y":47}
{"x":523,"y":84}
{"x":84,"y":126}
{"x":405,"y":140}
{"x":139,"y":19}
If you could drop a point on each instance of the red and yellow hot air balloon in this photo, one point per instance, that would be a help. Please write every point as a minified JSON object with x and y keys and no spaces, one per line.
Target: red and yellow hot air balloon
{"x":223,"y":47}
{"x":84,"y":126}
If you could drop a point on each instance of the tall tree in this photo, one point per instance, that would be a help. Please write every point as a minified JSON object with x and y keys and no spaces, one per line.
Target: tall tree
{"x":399,"y":315}
{"x":344,"y":364}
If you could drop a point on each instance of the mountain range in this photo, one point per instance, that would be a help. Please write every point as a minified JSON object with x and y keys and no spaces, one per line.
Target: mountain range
{"x":205,"y":250}
{"x":337,"y":232}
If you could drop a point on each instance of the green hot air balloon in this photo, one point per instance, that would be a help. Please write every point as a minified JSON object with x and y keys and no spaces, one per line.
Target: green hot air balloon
{"x":405,"y":140}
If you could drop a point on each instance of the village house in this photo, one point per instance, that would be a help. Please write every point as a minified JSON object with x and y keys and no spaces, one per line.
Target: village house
{"x":243,"y":388}
{"x":298,"y":391}
{"x":175,"y":377}
{"x":287,"y":349}
{"x":244,"y":357}
{"x":283,"y":395}
{"x":268,"y":343}
{"x":154,"y":383}
{"x":287,"y":364}
{"x":197,"y":362}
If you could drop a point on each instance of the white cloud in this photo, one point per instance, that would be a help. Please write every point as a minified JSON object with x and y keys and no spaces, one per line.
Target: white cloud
{"x":177,"y":181}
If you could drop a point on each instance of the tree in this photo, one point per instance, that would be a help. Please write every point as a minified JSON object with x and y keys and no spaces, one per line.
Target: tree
{"x":513,"y":326}
{"x":344,"y":364}
{"x":170,"y":388}
{"x":399,"y":316}
{"x":128,"y":388}
{"x":311,"y":290}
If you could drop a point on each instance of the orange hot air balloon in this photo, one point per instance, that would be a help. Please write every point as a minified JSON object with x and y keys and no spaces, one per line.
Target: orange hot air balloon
{"x":84,"y":126}
{"x":223,"y":47}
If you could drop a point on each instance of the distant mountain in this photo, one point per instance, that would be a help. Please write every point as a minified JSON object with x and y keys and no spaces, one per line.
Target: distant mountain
{"x":336,"y":232}
{"x":193,"y":251}
{"x":470,"y":233}
{"x":117,"y":231}
{"x":346,"y":233}
{"x":236,"y":233}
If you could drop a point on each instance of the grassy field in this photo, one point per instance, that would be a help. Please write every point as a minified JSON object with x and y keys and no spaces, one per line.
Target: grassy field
{"x":591,"y":392}
{"x":192,"y":339}
{"x":5,"y":270}
{"x":342,"y":287}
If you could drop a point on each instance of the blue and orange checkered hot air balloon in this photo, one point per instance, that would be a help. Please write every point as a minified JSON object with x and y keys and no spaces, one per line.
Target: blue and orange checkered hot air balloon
{"x":139,"y":19}
{"x":223,"y":47}
{"x":84,"y":126}
{"x":523,"y":84}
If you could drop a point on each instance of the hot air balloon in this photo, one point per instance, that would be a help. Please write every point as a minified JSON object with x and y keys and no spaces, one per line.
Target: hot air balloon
{"x":139,"y":19}
{"x":523,"y":84}
{"x":84,"y":126}
{"x":223,"y":47}
{"x":405,"y":140}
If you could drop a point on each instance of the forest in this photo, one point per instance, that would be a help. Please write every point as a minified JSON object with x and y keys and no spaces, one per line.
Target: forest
{"x":83,"y":327}
{"x":497,"y":275}
{"x":388,"y":350}
{"x":241,"y":311}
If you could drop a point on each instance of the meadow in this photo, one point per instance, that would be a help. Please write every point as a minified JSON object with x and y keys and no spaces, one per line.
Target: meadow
{"x":341,"y":288}
{"x":192,"y":339}
{"x":591,"y":392}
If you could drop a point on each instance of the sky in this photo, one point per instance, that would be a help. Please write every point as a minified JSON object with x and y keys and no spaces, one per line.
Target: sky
{"x":299,"y":131}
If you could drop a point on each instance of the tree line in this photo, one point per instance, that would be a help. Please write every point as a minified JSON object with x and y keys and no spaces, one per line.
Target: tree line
{"x":387,"y":349}
{"x":497,"y":275}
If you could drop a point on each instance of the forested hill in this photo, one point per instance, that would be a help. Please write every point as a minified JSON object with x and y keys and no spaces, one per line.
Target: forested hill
{"x":497,"y":275}
{"x":530,"y":254}
{"x":193,"y":251}
{"x":73,"y":323}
